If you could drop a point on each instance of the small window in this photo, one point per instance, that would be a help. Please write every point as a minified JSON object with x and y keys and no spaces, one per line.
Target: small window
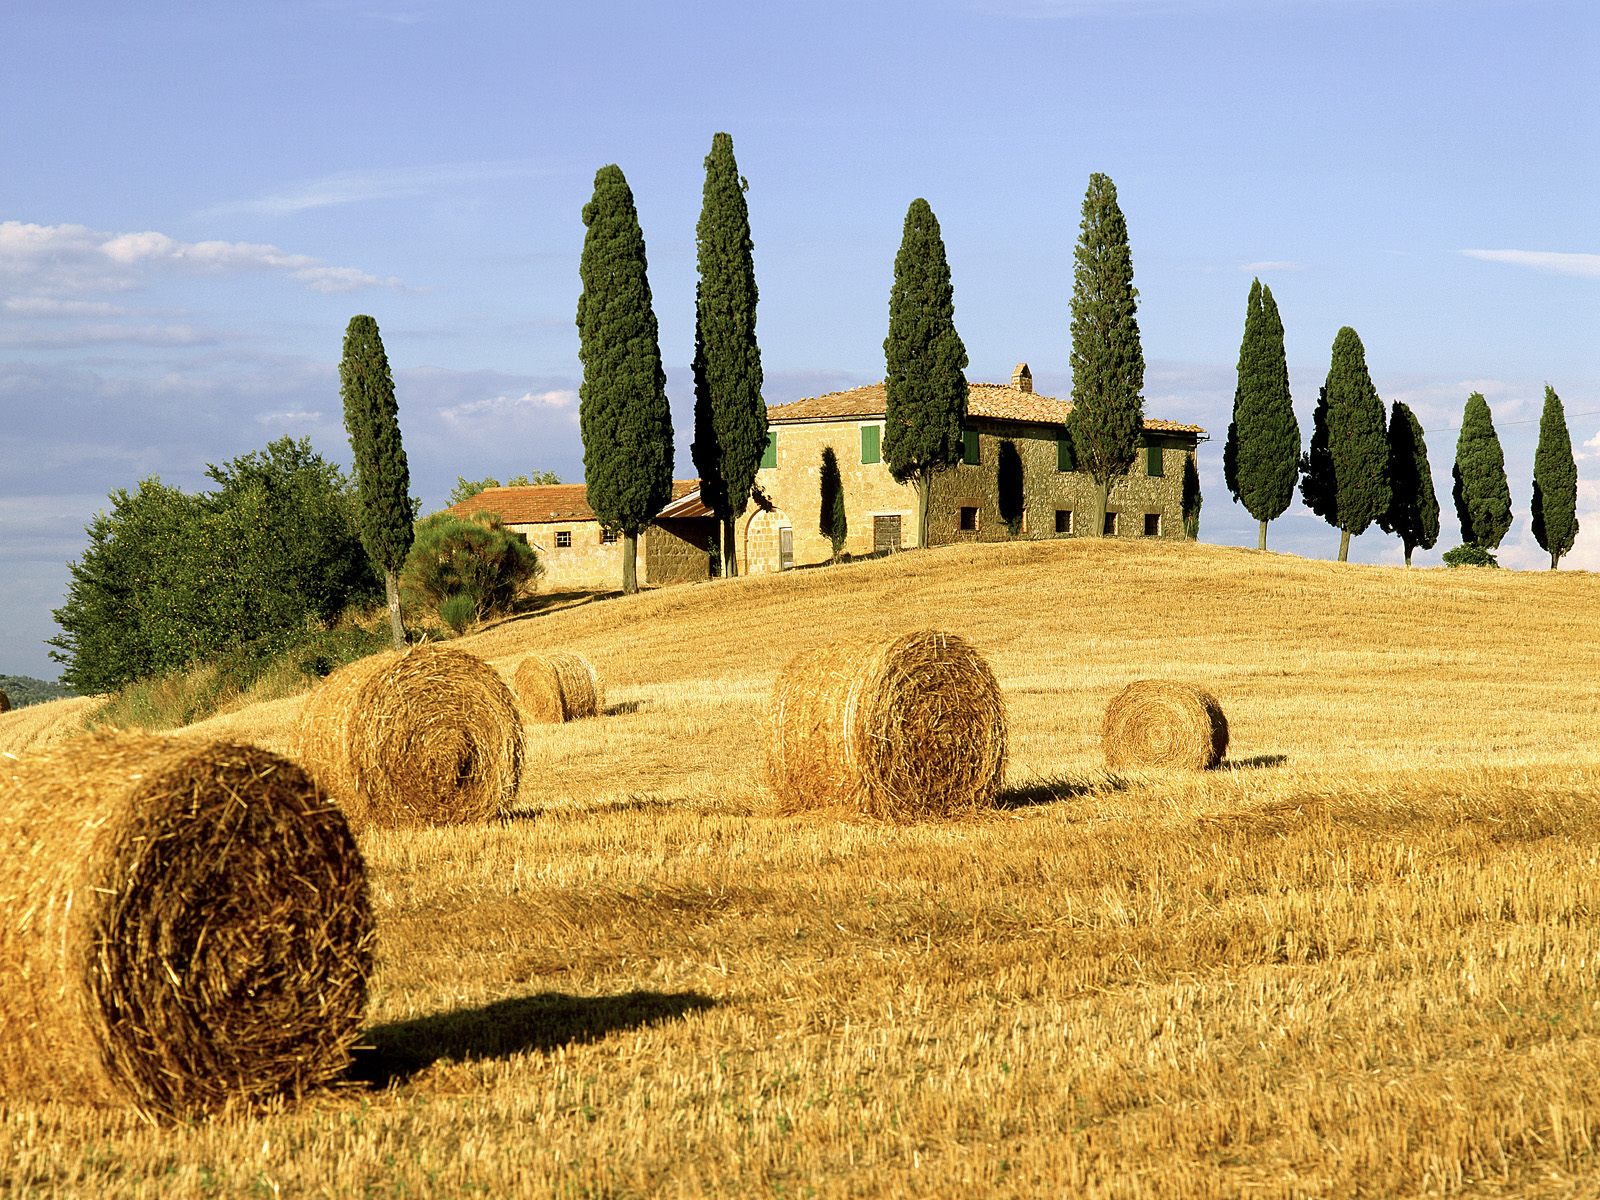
{"x":1152,"y":524}
{"x":1111,"y":524}
{"x":869,"y":444}
{"x":769,"y":456}
{"x":967,"y":519}
{"x":1152,"y":461}
{"x":607,"y":535}
{"x":1063,"y":520}
{"x":563,"y":538}
{"x":1066,"y":460}
{"x":969,"y":447}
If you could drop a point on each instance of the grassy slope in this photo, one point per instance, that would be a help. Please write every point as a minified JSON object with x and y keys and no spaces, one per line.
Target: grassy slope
{"x":1361,"y":962}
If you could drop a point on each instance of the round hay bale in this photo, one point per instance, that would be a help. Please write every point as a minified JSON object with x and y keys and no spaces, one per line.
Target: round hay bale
{"x":907,"y":727}
{"x":186,"y":925}
{"x":423,"y":736}
{"x":1159,"y":723}
{"x":553,"y":688}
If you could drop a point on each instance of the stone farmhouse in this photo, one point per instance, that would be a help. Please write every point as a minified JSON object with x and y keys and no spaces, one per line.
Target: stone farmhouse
{"x":1011,"y":430}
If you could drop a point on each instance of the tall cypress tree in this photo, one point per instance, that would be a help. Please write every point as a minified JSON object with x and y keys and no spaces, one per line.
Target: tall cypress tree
{"x":1346,"y":471}
{"x":383,"y":481}
{"x":1107,"y":360}
{"x":1555,"y":482}
{"x":622,"y":403}
{"x":1413,"y":513}
{"x":832,"y":521}
{"x":730,"y":419}
{"x":1262,"y":457}
{"x":1482,"y":495}
{"x":926,"y":387}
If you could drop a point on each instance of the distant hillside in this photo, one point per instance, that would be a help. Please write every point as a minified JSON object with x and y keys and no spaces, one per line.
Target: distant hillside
{"x":24,"y":690}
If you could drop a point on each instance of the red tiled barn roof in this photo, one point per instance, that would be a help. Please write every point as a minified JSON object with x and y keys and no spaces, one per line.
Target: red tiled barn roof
{"x":547,"y":503}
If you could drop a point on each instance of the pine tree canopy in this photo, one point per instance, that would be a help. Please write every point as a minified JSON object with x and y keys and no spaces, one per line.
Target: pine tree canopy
{"x":1357,"y":442}
{"x":730,"y":415}
{"x":926,"y":385}
{"x":1413,"y":513}
{"x":1555,"y":481}
{"x":1482,"y":495}
{"x":1107,"y":360}
{"x":622,"y":405}
{"x":371,"y":417}
{"x":1262,"y":457}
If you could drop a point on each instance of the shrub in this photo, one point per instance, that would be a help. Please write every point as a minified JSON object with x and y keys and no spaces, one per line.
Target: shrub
{"x":458,"y":612}
{"x":474,"y":557}
{"x":1469,"y":555}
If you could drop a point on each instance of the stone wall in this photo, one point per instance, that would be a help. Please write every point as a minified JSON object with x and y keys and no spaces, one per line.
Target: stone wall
{"x":666,"y":555}
{"x":679,"y":551}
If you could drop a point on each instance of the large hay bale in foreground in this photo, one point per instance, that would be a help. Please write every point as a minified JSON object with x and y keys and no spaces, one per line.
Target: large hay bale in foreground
{"x":185,"y":925}
{"x":553,"y":688}
{"x":1159,"y":723}
{"x":897,"y":728}
{"x":423,"y":736}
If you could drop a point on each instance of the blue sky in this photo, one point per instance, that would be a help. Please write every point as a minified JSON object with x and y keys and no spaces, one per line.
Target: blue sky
{"x":195,"y":198}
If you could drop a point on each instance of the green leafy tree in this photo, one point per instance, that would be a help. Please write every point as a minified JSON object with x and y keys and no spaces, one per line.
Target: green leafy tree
{"x":1107,"y":360}
{"x":622,"y":404}
{"x":1009,"y":487}
{"x":1555,"y":482}
{"x":926,"y":387}
{"x":472,"y":565}
{"x":730,"y":417}
{"x":1413,"y":513}
{"x":832,"y":522}
{"x":1345,"y":473}
{"x":1482,"y":495}
{"x":1261,"y":459}
{"x":383,"y":481}
{"x":466,"y":489}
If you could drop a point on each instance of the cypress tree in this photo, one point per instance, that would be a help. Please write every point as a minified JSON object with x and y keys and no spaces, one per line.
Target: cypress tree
{"x":1413,"y":513}
{"x":1009,"y":494}
{"x":622,"y":403}
{"x":1555,"y":482}
{"x":1482,"y":495}
{"x":926,"y":388}
{"x":383,"y":481}
{"x":1262,"y":457}
{"x":1345,"y":473}
{"x":1191,"y":499}
{"x":831,"y":519}
{"x":1107,"y":361}
{"x":730,"y":419}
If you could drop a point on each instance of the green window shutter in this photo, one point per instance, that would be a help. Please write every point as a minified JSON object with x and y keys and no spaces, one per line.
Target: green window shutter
{"x":1152,"y":461}
{"x":969,"y":447}
{"x":1065,"y":459}
{"x":869,"y":444}
{"x":769,"y":456}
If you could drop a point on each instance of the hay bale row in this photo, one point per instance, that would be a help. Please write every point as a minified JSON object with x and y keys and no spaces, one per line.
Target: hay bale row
{"x":554,"y":688}
{"x":906,"y":727}
{"x":185,"y":925}
{"x":423,"y":736}
{"x":1160,"y":723}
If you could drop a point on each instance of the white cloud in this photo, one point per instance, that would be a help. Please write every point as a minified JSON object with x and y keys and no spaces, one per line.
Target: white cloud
{"x":106,"y":335}
{"x":355,"y":187}
{"x":1586,"y":266}
{"x":495,"y":407}
{"x":50,"y":306}
{"x":1272,"y":264}
{"x":294,"y":417}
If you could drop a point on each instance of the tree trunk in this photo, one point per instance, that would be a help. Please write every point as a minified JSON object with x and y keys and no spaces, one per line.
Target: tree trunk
{"x":924,"y":489}
{"x":1261,"y":540}
{"x":630,"y":563}
{"x":391,"y":589}
{"x":1554,"y":559}
{"x":1408,"y":555}
{"x":1344,"y":545}
{"x":730,"y":548}
{"x":1102,"y":500}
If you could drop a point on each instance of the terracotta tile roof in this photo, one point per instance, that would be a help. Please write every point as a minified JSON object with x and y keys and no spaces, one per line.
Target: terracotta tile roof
{"x":547,"y":503}
{"x":995,"y":401}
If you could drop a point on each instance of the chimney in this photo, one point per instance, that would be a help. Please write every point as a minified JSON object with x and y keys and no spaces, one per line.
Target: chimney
{"x":1022,"y":378}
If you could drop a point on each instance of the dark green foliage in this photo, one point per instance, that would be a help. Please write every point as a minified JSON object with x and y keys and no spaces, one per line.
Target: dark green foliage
{"x":832,"y":522}
{"x":1107,"y":360}
{"x":474,"y":557}
{"x":926,"y":383}
{"x":1469,"y":555}
{"x":1555,"y":482}
{"x":1413,"y":513}
{"x":1066,"y":446}
{"x":1347,"y":469}
{"x":1191,"y":498}
{"x":23,"y":690}
{"x":1482,"y":495}
{"x":622,"y":407}
{"x":169,"y":578}
{"x":1261,"y":459}
{"x":730,"y":417}
{"x":466,"y":489}
{"x":371,"y":418}
{"x":1008,"y":483}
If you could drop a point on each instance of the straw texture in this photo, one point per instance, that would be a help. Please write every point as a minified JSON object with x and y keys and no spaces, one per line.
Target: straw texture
{"x":912,"y":726}
{"x":424,"y":736}
{"x":184,"y":925}
{"x":553,"y":688}
{"x":1159,"y":723}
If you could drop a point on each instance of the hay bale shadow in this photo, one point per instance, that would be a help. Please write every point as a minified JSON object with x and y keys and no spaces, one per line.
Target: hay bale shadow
{"x":622,"y":708}
{"x":1049,"y":791}
{"x":1254,"y":763}
{"x":393,"y":1053}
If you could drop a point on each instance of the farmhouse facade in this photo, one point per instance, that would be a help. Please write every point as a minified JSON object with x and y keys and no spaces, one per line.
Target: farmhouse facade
{"x":577,"y":554}
{"x":1017,"y":478}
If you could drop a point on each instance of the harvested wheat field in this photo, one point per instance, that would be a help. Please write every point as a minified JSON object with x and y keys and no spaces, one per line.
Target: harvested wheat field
{"x":1361,"y":958}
